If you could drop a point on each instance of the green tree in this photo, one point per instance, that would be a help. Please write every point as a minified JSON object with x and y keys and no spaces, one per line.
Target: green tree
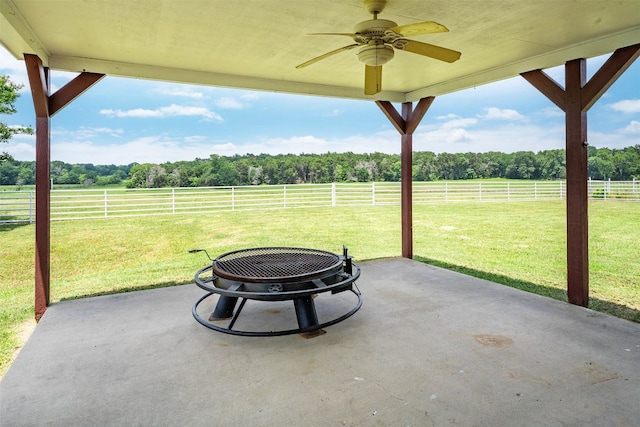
{"x":138,"y":176}
{"x":9,"y":93}
{"x":222,"y":172}
{"x":524,"y":165}
{"x":8,"y":173}
{"x":552,"y":164}
{"x":600,"y":164}
{"x":424,"y":167}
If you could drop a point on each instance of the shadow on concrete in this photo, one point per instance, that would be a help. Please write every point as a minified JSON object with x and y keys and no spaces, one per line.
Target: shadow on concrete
{"x":130,"y":289}
{"x":596,"y":304}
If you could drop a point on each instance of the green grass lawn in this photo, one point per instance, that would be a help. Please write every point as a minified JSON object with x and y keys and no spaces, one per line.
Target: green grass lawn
{"x":519,"y":244}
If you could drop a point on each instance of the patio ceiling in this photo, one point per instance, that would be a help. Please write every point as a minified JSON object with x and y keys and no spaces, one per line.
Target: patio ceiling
{"x":256,"y":44}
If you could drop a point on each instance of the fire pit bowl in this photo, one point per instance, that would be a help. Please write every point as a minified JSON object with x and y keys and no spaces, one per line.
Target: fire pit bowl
{"x":275,"y":274}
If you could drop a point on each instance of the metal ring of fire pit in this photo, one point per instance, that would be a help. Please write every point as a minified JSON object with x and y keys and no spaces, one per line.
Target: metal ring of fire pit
{"x":276,"y":274}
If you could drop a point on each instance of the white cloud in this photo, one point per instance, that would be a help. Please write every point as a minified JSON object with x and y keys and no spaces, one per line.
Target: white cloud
{"x":172,"y":110}
{"x":179,"y":90}
{"x":92,"y":132}
{"x":551,"y":112}
{"x":615,"y":140}
{"x":150,"y":149}
{"x":459,"y":123}
{"x":21,"y":150}
{"x":334,"y":113}
{"x":627,"y":106}
{"x":84,"y":133}
{"x":195,"y":139}
{"x":506,"y":138}
{"x":633,"y":127}
{"x":14,"y":68}
{"x":229,"y":103}
{"x":449,"y":116}
{"x":443,"y":136}
{"x":21,"y":146}
{"x":501,"y":114}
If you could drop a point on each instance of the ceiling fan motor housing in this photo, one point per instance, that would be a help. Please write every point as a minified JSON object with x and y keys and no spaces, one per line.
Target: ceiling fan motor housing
{"x":373,"y":27}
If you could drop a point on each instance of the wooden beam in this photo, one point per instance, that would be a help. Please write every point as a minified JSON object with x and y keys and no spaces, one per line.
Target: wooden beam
{"x":606,"y":76}
{"x":545,"y":84}
{"x":418,"y":113}
{"x":39,"y":82}
{"x":406,"y":124}
{"x":45,"y":106}
{"x":72,"y":90}
{"x":392,"y":114}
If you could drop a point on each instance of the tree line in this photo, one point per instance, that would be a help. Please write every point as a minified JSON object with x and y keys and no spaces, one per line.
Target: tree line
{"x":604,"y":163}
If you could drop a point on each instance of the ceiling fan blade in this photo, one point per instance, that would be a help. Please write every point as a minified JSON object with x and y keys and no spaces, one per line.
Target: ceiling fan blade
{"x":326,"y":55}
{"x":426,"y":49}
{"x":372,"y":79}
{"x":418,"y":28}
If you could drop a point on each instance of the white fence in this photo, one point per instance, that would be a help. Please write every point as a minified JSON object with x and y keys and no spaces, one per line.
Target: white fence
{"x":19,"y":206}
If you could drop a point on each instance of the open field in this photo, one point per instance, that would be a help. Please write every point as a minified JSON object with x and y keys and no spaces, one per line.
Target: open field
{"x":520,"y":244}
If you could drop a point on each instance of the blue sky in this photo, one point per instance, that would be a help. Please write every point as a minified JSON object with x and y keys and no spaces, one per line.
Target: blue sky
{"x":120,"y":121}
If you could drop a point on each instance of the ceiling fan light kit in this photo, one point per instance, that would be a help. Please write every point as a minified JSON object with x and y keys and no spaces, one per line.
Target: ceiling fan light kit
{"x":379,"y":37}
{"x":376,"y":54}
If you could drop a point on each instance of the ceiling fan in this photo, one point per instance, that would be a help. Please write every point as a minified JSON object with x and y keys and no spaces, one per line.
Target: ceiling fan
{"x":379,"y":37}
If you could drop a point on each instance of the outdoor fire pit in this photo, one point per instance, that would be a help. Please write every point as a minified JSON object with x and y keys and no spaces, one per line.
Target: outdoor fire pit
{"x":275,"y":274}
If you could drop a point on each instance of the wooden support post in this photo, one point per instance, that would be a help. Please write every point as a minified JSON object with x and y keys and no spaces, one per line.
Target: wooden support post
{"x":575,"y":100}
{"x":406,"y":186}
{"x":39,"y":83}
{"x":577,"y":176}
{"x":406,"y":125}
{"x":46,"y":106}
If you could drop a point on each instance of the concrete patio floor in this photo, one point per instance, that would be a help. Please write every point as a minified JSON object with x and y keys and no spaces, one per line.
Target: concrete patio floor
{"x":428,"y":347}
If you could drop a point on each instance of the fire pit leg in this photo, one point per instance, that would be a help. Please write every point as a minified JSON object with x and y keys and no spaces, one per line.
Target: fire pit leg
{"x":224,"y":308}
{"x":305,"y":312}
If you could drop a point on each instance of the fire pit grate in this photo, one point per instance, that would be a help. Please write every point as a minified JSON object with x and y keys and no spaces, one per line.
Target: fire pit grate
{"x":275,"y":264}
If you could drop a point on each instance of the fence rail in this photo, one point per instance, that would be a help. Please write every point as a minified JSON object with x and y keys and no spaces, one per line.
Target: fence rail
{"x":19,"y":206}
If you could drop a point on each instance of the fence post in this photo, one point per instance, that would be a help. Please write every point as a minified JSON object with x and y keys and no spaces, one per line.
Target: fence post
{"x":535,"y":191}
{"x":233,"y":199}
{"x":284,"y":196}
{"x":333,"y":194}
{"x":373,"y":193}
{"x":105,"y":203}
{"x":508,"y":191}
{"x":30,"y":207}
{"x":480,"y":191}
{"x":446,"y":191}
{"x":173,"y":200}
